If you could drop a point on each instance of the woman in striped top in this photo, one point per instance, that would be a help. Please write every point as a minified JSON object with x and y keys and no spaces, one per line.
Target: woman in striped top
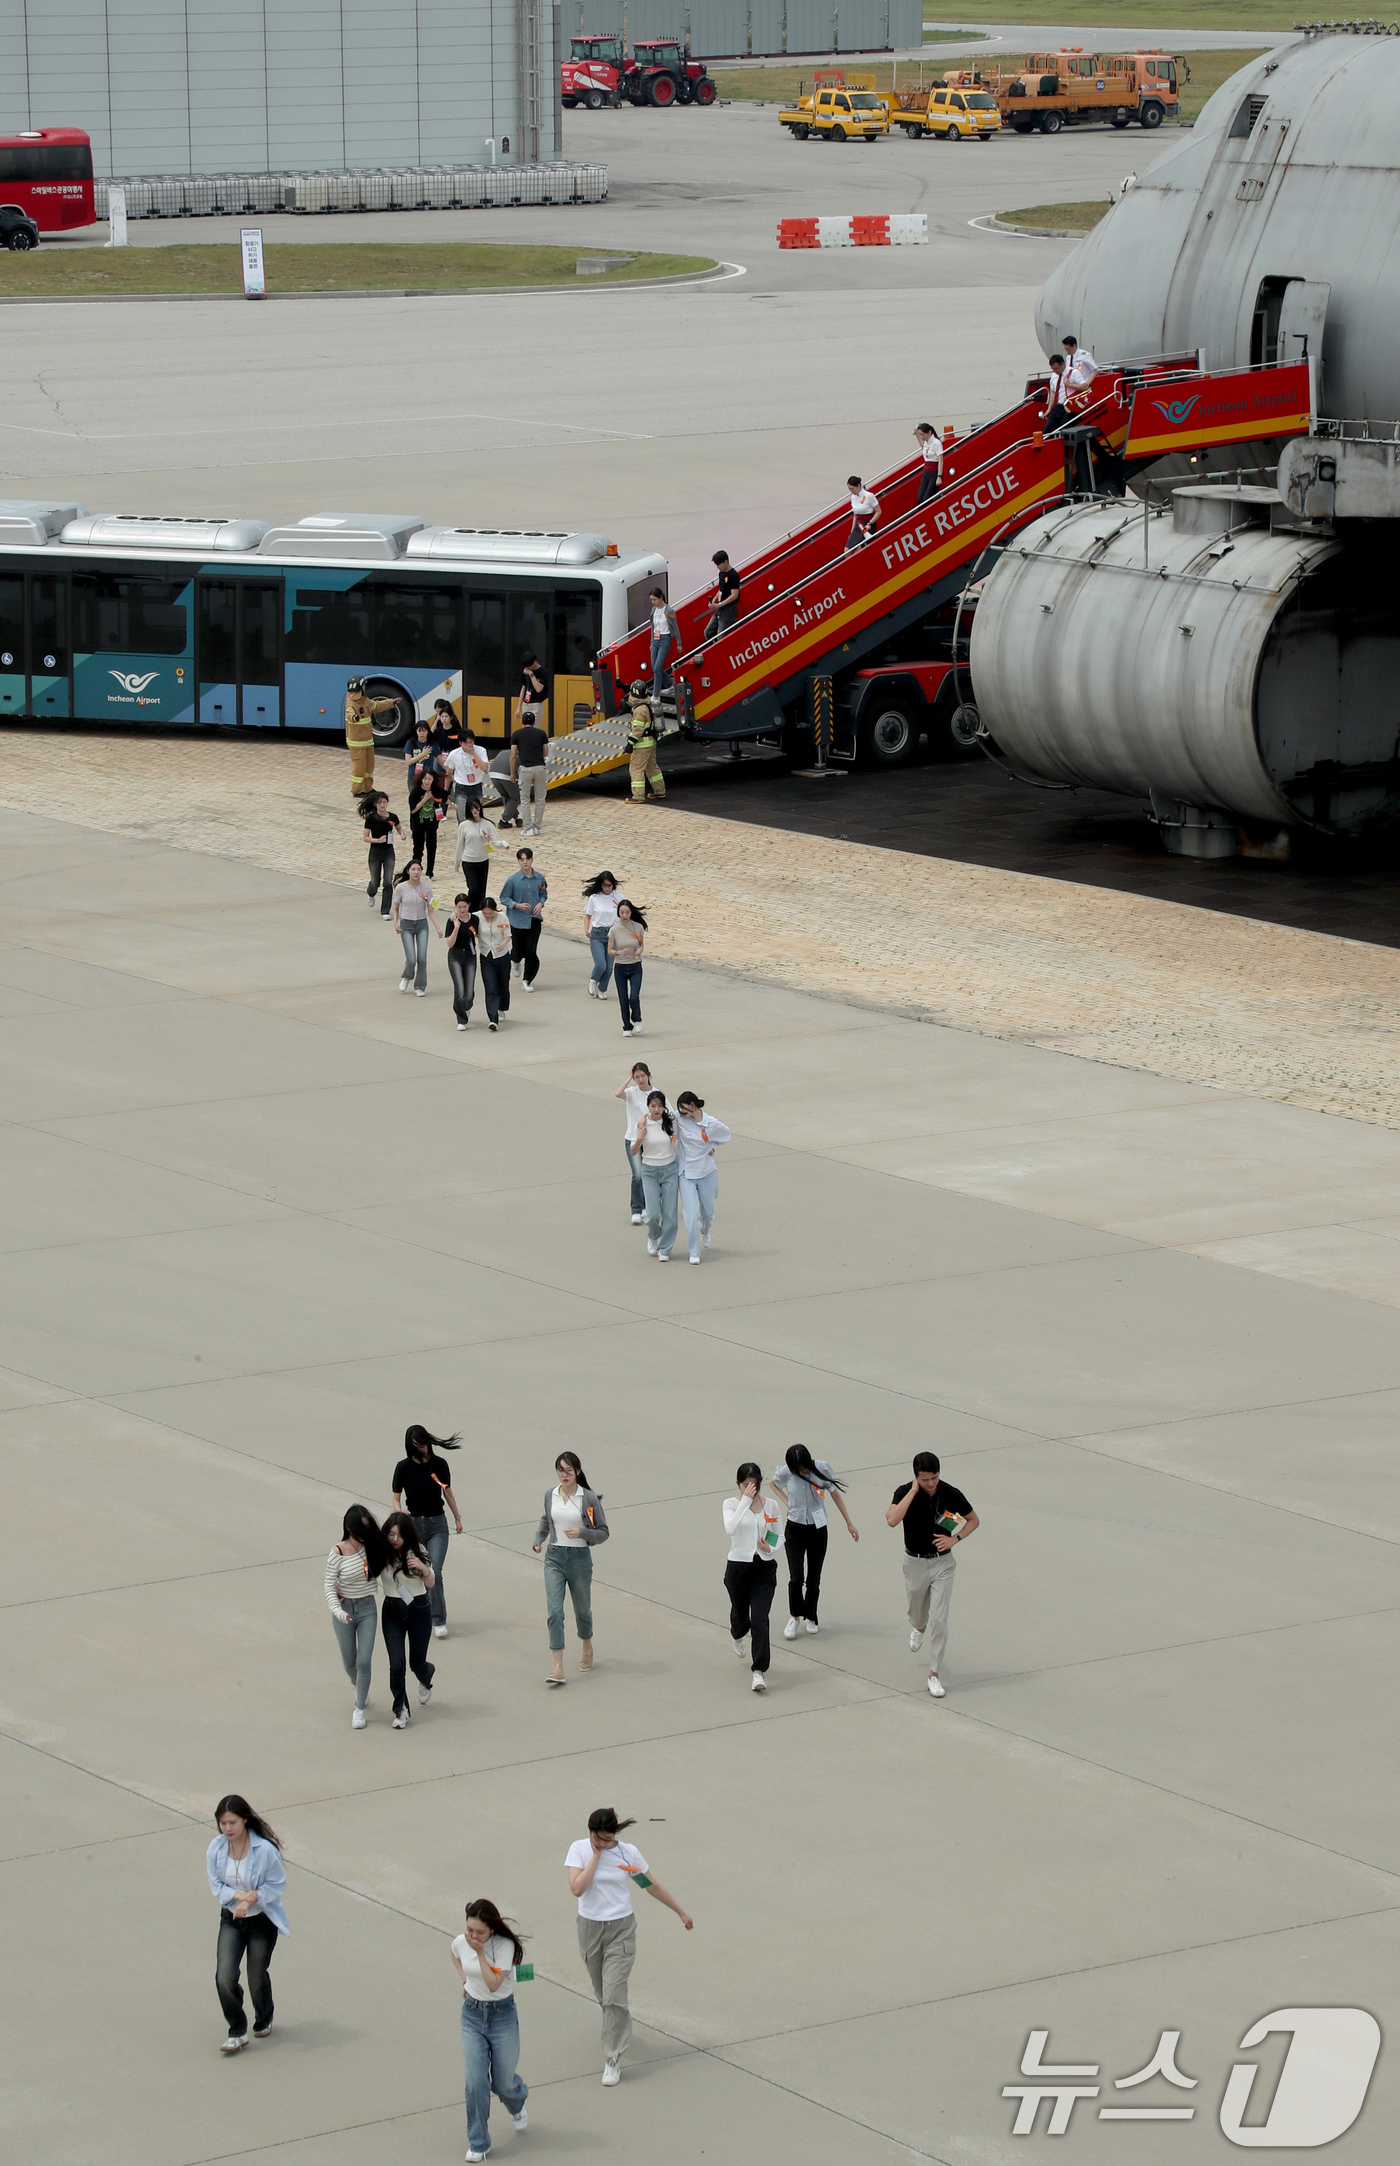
{"x":352,"y":1582}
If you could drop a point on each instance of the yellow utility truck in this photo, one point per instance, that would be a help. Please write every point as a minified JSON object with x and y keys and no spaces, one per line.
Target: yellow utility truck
{"x":842,"y":116}
{"x":959,"y":114}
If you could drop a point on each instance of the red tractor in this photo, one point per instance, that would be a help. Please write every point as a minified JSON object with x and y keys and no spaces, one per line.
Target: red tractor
{"x":593,"y":73}
{"x":661,"y":74}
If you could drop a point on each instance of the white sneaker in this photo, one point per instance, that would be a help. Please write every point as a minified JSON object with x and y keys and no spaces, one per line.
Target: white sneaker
{"x":651,"y":1246}
{"x":440,"y":1631}
{"x":812,"y":1625}
{"x":400,"y":1721}
{"x":527,"y":985}
{"x":521,"y":2120}
{"x":935,"y":1688}
{"x":474,"y":2158}
{"x":232,"y":2044}
{"x":760,"y":1682}
{"x":490,"y":1026}
{"x":404,"y":986}
{"x":425,"y":1693}
{"x":357,"y":1720}
{"x":461,"y":1026}
{"x":741,"y":1647}
{"x":422,"y":992}
{"x":916,"y":1641}
{"x":790,"y":1629}
{"x":637,"y":1031}
{"x":612,"y":2072}
{"x":663,"y":1258}
{"x":695,"y":1259}
{"x":639,"y":1218}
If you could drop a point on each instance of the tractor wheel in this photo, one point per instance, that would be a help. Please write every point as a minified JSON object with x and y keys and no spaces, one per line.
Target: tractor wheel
{"x":705,"y":91}
{"x":594,"y":101}
{"x":661,"y":90}
{"x":1051,"y":123}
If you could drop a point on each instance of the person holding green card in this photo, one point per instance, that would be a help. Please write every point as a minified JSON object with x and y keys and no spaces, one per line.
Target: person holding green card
{"x":755,"y":1530}
{"x":489,"y":1957}
{"x":602,"y":1872}
{"x":935,"y":1517}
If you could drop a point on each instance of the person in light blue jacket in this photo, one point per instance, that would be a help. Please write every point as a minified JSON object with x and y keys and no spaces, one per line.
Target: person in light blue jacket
{"x":248,"y":1880}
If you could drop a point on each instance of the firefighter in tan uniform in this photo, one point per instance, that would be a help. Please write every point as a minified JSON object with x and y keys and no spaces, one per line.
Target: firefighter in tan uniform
{"x":642,"y":766}
{"x":360,"y":711}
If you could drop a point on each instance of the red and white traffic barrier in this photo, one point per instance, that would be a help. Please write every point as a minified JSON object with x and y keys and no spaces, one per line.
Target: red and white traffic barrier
{"x":898,"y":229}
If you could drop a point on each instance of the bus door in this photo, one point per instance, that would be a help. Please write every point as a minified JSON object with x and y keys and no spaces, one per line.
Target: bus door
{"x":48,"y":645}
{"x":485,"y":701}
{"x":527,"y":619}
{"x":14,"y":687}
{"x":578,"y":631}
{"x":238,"y":653}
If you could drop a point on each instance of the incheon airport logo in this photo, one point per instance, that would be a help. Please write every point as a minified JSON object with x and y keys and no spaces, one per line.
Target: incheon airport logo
{"x":133,"y":683}
{"x":1320,"y":2091}
{"x":1175,"y":411}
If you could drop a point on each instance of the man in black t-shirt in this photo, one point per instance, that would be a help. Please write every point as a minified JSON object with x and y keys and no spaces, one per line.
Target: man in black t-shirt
{"x":529,"y":756}
{"x":725,"y":596}
{"x":935,"y":1517}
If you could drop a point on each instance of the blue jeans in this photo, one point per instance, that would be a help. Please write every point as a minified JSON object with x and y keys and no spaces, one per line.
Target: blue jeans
{"x":660,"y":1184}
{"x":639,"y":1200}
{"x":660,"y":656}
{"x":413,"y":932}
{"x":629,"y":993}
{"x":433,"y":1535}
{"x":602,"y":961}
{"x":571,"y":1568}
{"x":490,"y":2049}
{"x":356,"y":1641}
{"x":698,"y":1199}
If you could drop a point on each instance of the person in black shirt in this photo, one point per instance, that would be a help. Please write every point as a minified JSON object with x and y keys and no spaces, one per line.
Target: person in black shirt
{"x":422,"y":1486}
{"x":381,"y":826}
{"x":427,"y":806}
{"x":460,"y":934}
{"x":935,"y":1517}
{"x":725,"y":596}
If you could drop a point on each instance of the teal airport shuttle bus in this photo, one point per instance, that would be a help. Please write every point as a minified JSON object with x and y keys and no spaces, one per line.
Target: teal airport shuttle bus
{"x":118,"y":617}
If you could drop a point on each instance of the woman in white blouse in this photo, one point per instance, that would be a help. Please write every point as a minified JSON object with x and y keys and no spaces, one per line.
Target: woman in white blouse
{"x":755,"y":1530}
{"x":485,"y":1958}
{"x":352,"y":1582}
{"x":601,"y":896}
{"x":572,"y":1524}
{"x":654,"y":1146}
{"x":476,"y":838}
{"x":247,"y":1880}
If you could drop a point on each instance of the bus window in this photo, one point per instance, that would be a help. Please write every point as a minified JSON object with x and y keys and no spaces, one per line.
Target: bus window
{"x":48,"y":628}
{"x":529,"y":634}
{"x":117,"y":613}
{"x":639,"y":599}
{"x":12,"y":700}
{"x":45,"y":162}
{"x":216,"y":653}
{"x":333,"y":626}
{"x":576,"y":632}
{"x":485,"y":678}
{"x":417,"y":627}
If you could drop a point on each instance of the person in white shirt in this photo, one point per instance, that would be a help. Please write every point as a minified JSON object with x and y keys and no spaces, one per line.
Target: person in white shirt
{"x":665,"y":635}
{"x":931,"y":453}
{"x":485,"y":1958}
{"x":865,"y":510}
{"x":655,"y":1145}
{"x":571,"y":1526}
{"x":755,"y":1529}
{"x":698,"y":1132}
{"x":634,"y":1094}
{"x":476,"y":839}
{"x":406,"y":1615}
{"x":1080,"y":367}
{"x":601,"y":896}
{"x":353,"y":1571}
{"x":467,"y":764}
{"x":1055,"y":397}
{"x":493,"y":945}
{"x":602,"y":1871}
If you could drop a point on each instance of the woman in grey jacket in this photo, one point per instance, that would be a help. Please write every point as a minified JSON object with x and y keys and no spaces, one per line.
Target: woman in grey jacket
{"x":571,"y":1525}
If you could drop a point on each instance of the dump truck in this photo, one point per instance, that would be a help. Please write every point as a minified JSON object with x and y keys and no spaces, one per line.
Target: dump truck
{"x":842,"y":116}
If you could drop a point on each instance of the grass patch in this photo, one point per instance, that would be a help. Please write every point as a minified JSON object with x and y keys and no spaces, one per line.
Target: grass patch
{"x":317,"y":267}
{"x":1144,"y":15}
{"x":1058,"y":217}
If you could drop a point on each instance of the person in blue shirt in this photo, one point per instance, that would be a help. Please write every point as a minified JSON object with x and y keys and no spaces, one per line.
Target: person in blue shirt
{"x":248,"y":1880}
{"x":523,"y":897}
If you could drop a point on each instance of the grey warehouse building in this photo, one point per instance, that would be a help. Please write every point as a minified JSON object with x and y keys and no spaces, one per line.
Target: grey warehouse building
{"x":260,"y":86}
{"x":730,"y":29}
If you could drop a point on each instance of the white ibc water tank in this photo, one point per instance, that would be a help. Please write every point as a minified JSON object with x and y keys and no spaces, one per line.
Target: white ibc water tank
{"x":1243,"y":666}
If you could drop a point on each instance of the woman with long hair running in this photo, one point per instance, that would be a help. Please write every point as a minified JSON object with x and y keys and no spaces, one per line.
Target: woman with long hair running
{"x":247,"y":1880}
{"x":476,"y":837}
{"x":485,"y":1958}
{"x":625,"y":943}
{"x":459,"y":932}
{"x":381,"y":826}
{"x":805,"y":1485}
{"x":654,"y":1147}
{"x":601,"y":896}
{"x":755,"y":1529}
{"x":404,"y":1613}
{"x":571,"y":1525}
{"x":423,"y":1487}
{"x":352,"y":1582}
{"x":602,"y":1872}
{"x":413,"y":904}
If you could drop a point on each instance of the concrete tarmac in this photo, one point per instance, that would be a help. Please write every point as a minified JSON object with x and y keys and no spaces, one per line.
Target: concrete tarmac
{"x":262,"y":1211}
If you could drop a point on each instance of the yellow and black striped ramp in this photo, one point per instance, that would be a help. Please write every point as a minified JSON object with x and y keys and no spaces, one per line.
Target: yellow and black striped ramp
{"x":593,"y":751}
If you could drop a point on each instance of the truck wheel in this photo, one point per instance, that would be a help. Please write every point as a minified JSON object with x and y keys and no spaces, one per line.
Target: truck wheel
{"x":887,"y":736}
{"x":838,"y":135}
{"x":1024,"y":127}
{"x":912,"y":130}
{"x":1051,"y":123}
{"x":661,"y":90}
{"x":871,"y":138}
{"x":594,"y":100}
{"x":570,"y":102}
{"x":964,"y":730}
{"x":952,"y":135}
{"x":1120,"y":117}
{"x":799,"y":134}
{"x":1151,"y":114}
{"x":705,"y":91}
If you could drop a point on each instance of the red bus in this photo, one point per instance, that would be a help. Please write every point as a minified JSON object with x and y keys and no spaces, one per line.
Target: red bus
{"x":46,"y":176}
